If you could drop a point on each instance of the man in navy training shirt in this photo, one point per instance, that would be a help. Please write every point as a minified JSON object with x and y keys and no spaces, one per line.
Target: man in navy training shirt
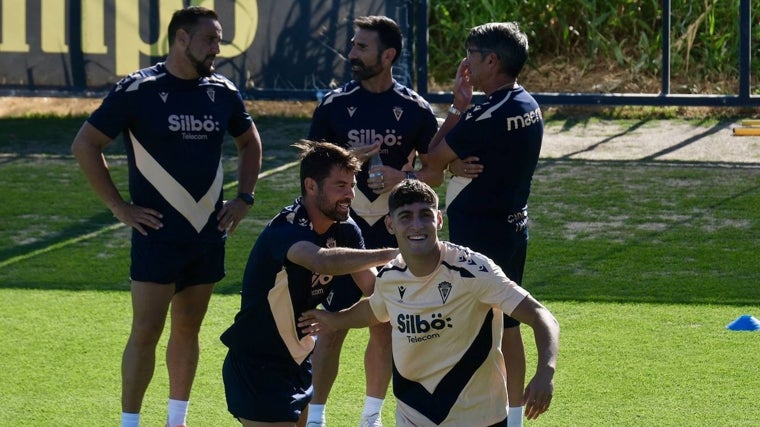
{"x":492,"y":149}
{"x":381,"y":122}
{"x":305,"y":251}
{"x":174,"y":116}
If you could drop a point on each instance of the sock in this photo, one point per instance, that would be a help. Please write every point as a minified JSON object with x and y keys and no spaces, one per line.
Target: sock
{"x":129,"y":419}
{"x":316,"y":413}
{"x":372,"y":405}
{"x":515,"y":416}
{"x":177,"y":410}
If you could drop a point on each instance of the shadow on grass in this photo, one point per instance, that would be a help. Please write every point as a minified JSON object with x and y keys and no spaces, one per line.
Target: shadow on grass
{"x":721,"y":127}
{"x":278,"y":152}
{"x":674,"y":264}
{"x":93,"y":224}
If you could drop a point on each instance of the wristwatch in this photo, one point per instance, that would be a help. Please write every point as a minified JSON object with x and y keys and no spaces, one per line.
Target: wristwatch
{"x":411,"y":175}
{"x":247,"y":198}
{"x":455,"y":111}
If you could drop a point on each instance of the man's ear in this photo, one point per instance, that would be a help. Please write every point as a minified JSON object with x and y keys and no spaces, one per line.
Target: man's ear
{"x":311,"y":186}
{"x":492,"y":59}
{"x":388,"y":223}
{"x":389,"y":54}
{"x":182,"y":37}
{"x":439,"y":220}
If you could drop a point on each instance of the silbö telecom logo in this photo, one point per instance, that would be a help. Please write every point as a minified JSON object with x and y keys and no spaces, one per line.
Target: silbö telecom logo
{"x":361,"y":137}
{"x":420,"y":329}
{"x":188,"y":124}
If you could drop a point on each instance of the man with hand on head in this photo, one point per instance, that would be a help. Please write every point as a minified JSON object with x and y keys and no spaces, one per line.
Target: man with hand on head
{"x":387,"y":126}
{"x":174,"y":116}
{"x":445,"y":303}
{"x":492,"y":149}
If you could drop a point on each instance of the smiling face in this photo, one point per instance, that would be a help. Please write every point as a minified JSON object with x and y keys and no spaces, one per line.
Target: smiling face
{"x":416,"y":227}
{"x":203,"y":44}
{"x":334,"y":194}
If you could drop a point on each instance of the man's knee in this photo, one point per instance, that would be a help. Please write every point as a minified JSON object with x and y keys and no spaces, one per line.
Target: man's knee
{"x":380,"y":334}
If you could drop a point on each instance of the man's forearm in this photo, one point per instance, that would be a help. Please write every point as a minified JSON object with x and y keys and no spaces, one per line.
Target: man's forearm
{"x":546,"y":333}
{"x":348,"y":260}
{"x":249,"y":163}
{"x":357,"y":316}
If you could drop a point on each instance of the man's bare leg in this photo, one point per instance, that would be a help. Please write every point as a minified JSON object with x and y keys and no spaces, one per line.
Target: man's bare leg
{"x":150,"y":304}
{"x":378,"y":366}
{"x":182,"y":352}
{"x":325,"y":363}
{"x":514,"y":360}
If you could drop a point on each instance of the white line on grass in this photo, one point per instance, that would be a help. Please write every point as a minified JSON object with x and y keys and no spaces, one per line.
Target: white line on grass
{"x":112,"y":227}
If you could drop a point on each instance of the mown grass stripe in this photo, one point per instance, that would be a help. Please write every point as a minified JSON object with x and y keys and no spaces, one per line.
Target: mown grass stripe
{"x":113,"y":227}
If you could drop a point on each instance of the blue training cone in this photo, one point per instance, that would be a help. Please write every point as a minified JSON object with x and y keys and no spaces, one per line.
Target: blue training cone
{"x":744,"y":323}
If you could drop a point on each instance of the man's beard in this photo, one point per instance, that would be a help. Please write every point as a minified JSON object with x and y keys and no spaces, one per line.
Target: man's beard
{"x":364,"y":72}
{"x":330,"y":210}
{"x":200,"y":65}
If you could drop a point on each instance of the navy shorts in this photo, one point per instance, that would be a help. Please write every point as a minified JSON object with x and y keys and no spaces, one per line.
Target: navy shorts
{"x":183,"y":264}
{"x":265,"y":390}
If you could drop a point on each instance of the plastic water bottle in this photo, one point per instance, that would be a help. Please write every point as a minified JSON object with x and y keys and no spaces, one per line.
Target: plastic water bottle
{"x":375,"y":160}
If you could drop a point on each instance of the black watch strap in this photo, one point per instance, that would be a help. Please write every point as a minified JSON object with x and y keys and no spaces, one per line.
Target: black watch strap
{"x":247,"y":198}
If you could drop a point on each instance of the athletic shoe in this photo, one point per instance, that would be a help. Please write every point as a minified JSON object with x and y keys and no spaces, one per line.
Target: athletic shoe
{"x":372,"y":420}
{"x":315,"y":424}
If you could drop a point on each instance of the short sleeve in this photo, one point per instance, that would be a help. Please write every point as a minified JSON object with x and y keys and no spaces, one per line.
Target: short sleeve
{"x":379,"y":309}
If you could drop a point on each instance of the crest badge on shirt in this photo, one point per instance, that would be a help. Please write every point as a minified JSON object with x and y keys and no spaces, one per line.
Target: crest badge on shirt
{"x":401,"y":291}
{"x":444,"y":288}
{"x":164,"y":96}
{"x":398,"y":111}
{"x":351,"y":111}
{"x":211,"y":94}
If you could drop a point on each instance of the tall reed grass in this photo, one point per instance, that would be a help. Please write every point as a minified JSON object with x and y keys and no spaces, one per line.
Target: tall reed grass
{"x":622,"y":39}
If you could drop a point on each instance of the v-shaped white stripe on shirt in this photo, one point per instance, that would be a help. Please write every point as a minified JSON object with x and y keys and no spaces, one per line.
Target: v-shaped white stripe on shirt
{"x":196,"y":213}
{"x":370,"y":211}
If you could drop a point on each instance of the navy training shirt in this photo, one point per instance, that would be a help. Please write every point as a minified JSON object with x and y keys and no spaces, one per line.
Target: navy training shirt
{"x":173,"y":132}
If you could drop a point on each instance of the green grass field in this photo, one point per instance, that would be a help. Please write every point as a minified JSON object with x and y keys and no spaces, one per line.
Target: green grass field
{"x":643,"y":264}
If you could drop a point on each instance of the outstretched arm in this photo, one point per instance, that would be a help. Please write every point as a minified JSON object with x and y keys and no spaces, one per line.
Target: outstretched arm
{"x":338,"y":260}
{"x":358,"y":315}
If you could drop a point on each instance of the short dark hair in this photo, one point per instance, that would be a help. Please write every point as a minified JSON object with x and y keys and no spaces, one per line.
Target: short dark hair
{"x":187,"y":19}
{"x":318,"y":159}
{"x":411,"y":191}
{"x":387,"y":30}
{"x":506,"y":40}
